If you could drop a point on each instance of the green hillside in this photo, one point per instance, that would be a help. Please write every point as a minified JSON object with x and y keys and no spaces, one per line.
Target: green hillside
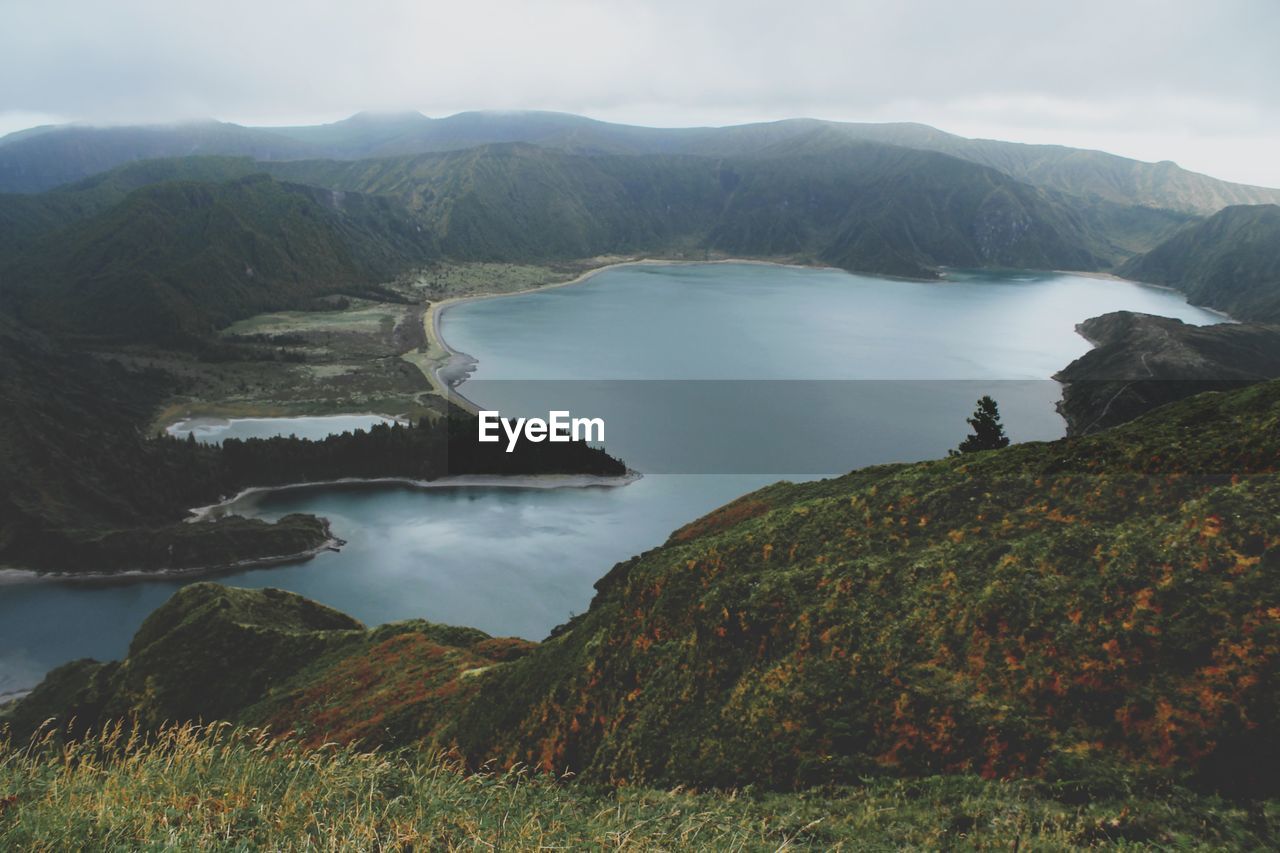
{"x":175,"y":261}
{"x":82,"y":489}
{"x":32,"y":161}
{"x":1084,"y":610}
{"x":1110,"y":600}
{"x":169,"y":251}
{"x":43,"y":158}
{"x":27,"y":218}
{"x":865,"y":207}
{"x":1094,"y":175}
{"x":1231,"y":261}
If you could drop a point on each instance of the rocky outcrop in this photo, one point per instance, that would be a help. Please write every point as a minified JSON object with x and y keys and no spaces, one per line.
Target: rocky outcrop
{"x":1140,"y":361}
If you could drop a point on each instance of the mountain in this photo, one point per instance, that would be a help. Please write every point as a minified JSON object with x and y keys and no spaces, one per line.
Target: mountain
{"x":1231,"y":262}
{"x":1090,"y":608}
{"x":25,"y":218}
{"x":35,"y":161}
{"x":174,"y":261}
{"x":864,"y":206}
{"x":1081,"y":172}
{"x":365,"y":134}
{"x":31,"y":162}
{"x":1140,"y":362}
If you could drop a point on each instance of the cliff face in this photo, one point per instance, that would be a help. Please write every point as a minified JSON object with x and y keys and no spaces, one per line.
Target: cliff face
{"x":1140,"y":362}
{"x":1100,"y":602}
{"x":1230,"y":261}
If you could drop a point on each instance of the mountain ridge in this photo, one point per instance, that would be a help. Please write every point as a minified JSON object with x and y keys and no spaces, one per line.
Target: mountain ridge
{"x":1087,"y":173}
{"x":1230,"y":261}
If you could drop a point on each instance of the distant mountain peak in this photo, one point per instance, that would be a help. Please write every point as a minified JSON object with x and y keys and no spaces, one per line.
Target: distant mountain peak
{"x":384,"y":117}
{"x":36,"y":160}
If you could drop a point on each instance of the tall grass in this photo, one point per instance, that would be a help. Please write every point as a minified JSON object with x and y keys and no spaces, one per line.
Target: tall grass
{"x":218,"y":787}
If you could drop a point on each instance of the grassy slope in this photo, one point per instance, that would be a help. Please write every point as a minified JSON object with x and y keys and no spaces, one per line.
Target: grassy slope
{"x":33,"y":162}
{"x":168,"y":251}
{"x":866,"y":207}
{"x":234,"y":789}
{"x":175,"y":261}
{"x":1094,"y":175}
{"x":1231,"y":261}
{"x":24,"y":219}
{"x":1088,"y":602}
{"x":820,"y":196}
{"x":1079,"y":610}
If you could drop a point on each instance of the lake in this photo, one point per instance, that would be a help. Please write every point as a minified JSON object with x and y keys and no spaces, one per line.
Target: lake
{"x":713,"y":379}
{"x":217,"y":430}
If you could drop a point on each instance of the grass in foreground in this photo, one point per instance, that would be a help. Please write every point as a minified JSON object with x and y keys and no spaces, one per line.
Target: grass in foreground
{"x":222,"y":788}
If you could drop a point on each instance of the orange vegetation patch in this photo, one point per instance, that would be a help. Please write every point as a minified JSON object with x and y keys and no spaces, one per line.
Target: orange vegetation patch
{"x":399,"y":689}
{"x":722,"y":519}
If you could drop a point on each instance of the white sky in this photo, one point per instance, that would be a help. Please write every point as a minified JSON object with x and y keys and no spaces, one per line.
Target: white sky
{"x":1194,"y":81}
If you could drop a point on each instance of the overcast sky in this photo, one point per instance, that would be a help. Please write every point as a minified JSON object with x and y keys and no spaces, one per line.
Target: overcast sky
{"x":1195,"y":81}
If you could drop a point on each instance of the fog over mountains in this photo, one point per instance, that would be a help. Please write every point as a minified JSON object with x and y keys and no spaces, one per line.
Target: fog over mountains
{"x":45,"y":157}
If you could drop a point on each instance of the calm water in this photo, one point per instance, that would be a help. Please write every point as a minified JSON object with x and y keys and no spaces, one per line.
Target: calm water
{"x":216,"y":430}
{"x":900,"y":364}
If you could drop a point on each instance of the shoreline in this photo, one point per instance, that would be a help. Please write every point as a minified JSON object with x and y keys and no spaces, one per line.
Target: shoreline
{"x":12,"y":575}
{"x":1107,"y":276}
{"x":461,"y":365}
{"x":197,"y":422}
{"x":461,"y":481}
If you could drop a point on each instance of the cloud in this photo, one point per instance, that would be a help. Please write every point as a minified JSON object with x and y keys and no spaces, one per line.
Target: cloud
{"x":1168,"y":69}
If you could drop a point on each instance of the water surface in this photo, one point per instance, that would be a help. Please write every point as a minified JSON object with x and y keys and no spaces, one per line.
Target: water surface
{"x":520,"y":561}
{"x":217,"y":430}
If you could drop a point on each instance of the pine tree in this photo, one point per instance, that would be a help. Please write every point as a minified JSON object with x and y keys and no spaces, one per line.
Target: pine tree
{"x":988,"y":432}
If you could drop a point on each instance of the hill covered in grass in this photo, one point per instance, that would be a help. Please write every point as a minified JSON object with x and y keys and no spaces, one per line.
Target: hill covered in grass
{"x":1039,"y":610}
{"x":175,"y":261}
{"x":1231,"y":262}
{"x":168,"y":251}
{"x":1078,"y":611}
{"x":42,"y":158}
{"x":860,"y":206}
